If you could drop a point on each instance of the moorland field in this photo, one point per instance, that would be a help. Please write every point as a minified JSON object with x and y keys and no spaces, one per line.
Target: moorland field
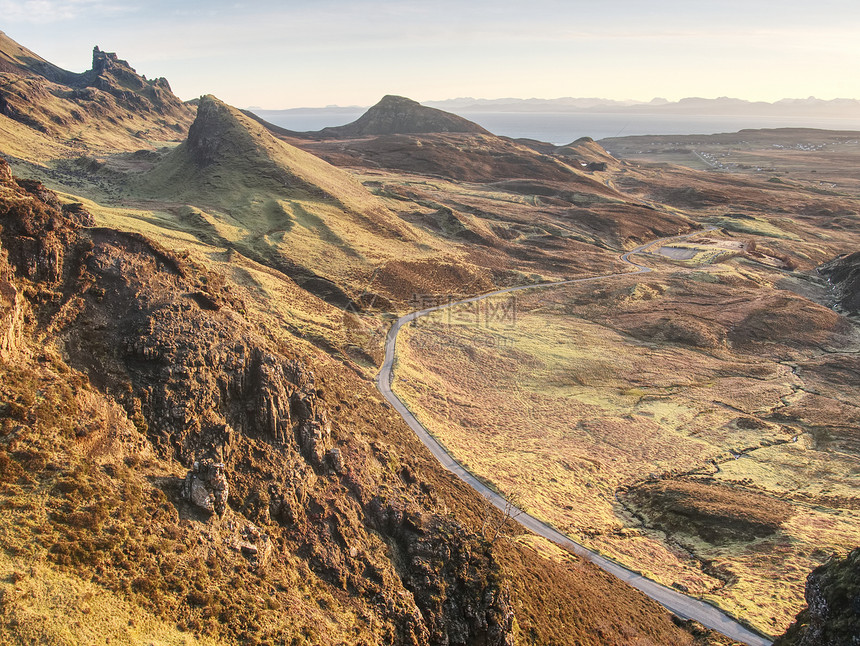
{"x":180,"y":281}
{"x":693,"y":423}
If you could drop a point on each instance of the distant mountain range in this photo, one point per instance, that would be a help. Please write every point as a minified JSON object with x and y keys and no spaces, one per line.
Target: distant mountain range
{"x":722,"y":106}
{"x":692,"y":105}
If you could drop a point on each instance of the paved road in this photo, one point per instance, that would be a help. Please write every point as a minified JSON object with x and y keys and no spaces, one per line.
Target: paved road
{"x":680,"y":604}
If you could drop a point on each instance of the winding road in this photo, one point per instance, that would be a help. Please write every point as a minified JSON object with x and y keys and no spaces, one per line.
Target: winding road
{"x":680,"y":604}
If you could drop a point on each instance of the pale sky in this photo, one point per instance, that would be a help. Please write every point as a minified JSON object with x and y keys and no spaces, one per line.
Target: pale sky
{"x":313,"y":53}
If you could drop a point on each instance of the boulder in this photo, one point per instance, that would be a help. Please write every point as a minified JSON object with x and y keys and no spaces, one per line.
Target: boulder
{"x":206,"y":486}
{"x":335,"y":460}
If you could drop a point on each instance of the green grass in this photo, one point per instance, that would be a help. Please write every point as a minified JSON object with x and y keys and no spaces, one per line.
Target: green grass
{"x":751,"y":225}
{"x":273,"y":202}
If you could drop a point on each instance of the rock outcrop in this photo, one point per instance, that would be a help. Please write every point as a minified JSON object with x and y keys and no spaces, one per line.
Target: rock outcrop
{"x":11,"y":317}
{"x":843,"y":274}
{"x":832,"y":617}
{"x":11,"y":301}
{"x":206,"y":486}
{"x":109,"y":104}
{"x":115,"y":76}
{"x":251,"y":542}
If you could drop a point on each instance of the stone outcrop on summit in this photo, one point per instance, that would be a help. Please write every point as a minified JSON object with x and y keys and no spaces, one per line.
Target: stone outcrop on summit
{"x":120,"y":106}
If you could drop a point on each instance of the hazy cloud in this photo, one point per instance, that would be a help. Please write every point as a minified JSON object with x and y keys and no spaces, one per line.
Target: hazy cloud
{"x":58,"y":10}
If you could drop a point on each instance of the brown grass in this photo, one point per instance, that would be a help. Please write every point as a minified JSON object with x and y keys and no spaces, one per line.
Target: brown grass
{"x":574,"y":423}
{"x":715,"y":513}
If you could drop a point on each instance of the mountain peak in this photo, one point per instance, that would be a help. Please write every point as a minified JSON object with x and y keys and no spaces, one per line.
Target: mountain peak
{"x":109,"y":105}
{"x":225,"y":148}
{"x":393,"y":100}
{"x":106,"y":60}
{"x":400,"y":115}
{"x":216,"y":132}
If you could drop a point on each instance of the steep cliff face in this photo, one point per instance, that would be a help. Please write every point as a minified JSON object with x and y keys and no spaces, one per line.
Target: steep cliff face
{"x":832,"y":617}
{"x":844,"y":275}
{"x":11,"y":302}
{"x":11,"y":317}
{"x":160,"y":337}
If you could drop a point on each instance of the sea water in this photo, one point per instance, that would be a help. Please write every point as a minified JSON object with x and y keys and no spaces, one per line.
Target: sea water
{"x":564,"y":127}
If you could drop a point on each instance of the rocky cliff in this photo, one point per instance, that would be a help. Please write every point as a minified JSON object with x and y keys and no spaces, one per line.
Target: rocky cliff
{"x":832,"y":616}
{"x":108,"y":105}
{"x":843,"y":274}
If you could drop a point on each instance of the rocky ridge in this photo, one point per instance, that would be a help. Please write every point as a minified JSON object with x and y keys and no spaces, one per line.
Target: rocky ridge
{"x":127,"y":107}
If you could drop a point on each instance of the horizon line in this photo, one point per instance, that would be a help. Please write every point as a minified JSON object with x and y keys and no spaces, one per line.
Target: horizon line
{"x":656,"y":101}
